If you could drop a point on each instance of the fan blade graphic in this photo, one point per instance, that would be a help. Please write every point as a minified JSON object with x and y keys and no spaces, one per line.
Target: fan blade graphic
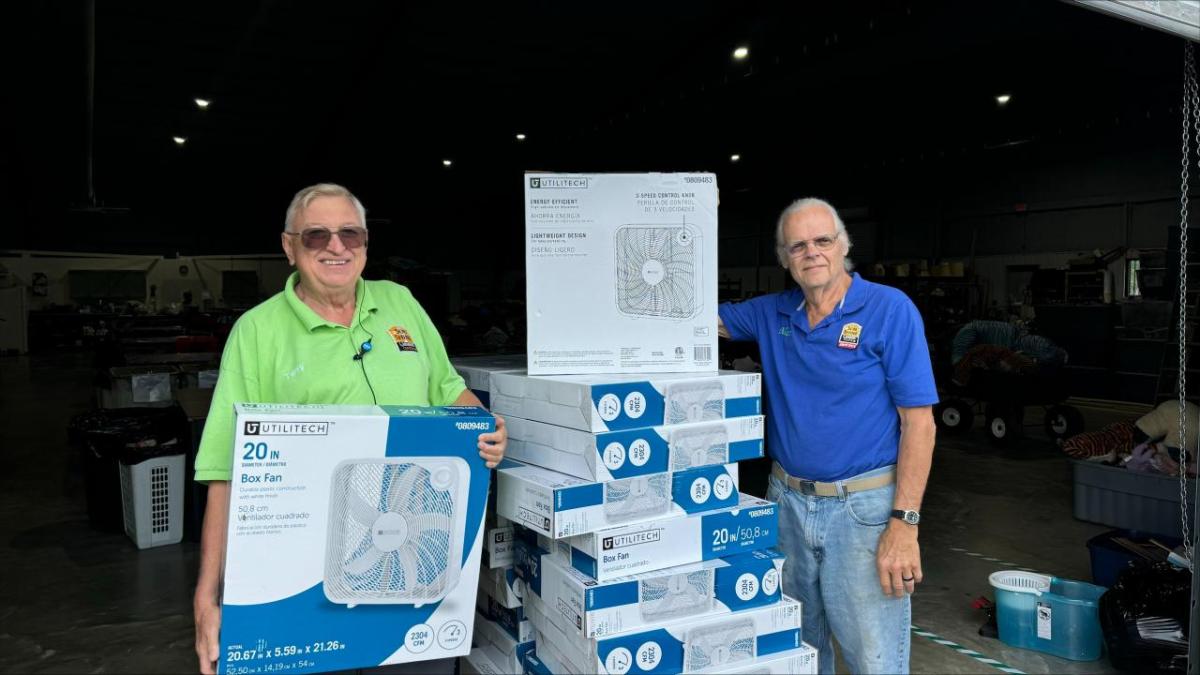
{"x":363,"y":562}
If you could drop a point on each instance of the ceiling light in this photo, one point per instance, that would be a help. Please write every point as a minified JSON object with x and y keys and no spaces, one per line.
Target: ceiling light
{"x":202,"y":103}
{"x":735,"y":158}
{"x":520,"y":137}
{"x":1003,"y":99}
{"x":446,"y":162}
{"x":179,"y":140}
{"x":741,"y":53}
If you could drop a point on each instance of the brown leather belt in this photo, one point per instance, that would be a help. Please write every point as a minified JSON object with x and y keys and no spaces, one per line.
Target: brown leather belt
{"x":819,"y":489}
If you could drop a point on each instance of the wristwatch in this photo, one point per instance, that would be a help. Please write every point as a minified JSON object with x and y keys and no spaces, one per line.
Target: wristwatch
{"x":910,"y":517}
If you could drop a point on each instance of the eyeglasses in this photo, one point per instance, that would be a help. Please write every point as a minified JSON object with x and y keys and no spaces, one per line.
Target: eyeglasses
{"x":799,"y":248}
{"x":317,"y":238}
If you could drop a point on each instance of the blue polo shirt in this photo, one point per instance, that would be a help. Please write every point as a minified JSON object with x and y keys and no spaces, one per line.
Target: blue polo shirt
{"x":832,"y":392}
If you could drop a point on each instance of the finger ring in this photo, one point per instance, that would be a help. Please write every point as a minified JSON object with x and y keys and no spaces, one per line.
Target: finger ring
{"x":907,"y":578}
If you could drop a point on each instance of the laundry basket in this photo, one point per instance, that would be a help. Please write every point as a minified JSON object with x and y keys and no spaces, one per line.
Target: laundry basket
{"x":1052,"y":615}
{"x":152,"y":500}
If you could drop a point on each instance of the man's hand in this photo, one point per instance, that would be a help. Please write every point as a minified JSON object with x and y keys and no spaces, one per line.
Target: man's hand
{"x":493,"y":445}
{"x":898,"y":559}
{"x":208,"y":628}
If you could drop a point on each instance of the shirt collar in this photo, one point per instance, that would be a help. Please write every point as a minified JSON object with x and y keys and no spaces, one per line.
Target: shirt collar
{"x":364,"y":301}
{"x":792,"y":301}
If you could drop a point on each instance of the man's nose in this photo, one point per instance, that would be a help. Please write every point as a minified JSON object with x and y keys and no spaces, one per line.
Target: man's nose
{"x":335,"y":243}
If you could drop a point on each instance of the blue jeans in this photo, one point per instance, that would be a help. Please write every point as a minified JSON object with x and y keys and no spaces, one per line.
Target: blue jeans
{"x":830,"y":544}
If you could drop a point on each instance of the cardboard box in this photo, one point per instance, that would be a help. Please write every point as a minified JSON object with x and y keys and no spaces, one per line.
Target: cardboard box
{"x":511,"y":619}
{"x":477,"y":371}
{"x":600,"y":403}
{"x":510,"y":654}
{"x":642,"y":250}
{"x":318,"y":506}
{"x":593,"y":608}
{"x":534,"y":665}
{"x":801,"y":661}
{"x":479,"y":662}
{"x":718,"y":643}
{"x":502,"y":584}
{"x":497,"y":551}
{"x":634,"y":452}
{"x":620,"y":551}
{"x":558,"y":505}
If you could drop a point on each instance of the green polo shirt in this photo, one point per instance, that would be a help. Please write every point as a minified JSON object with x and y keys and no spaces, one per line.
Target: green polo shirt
{"x":283,"y":352}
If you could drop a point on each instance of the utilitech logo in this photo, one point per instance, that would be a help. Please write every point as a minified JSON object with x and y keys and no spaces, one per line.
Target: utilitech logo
{"x":287,"y":428}
{"x":558,"y":183}
{"x":624,"y":540}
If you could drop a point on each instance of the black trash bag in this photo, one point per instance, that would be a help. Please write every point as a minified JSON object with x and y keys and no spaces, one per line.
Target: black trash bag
{"x":1145,"y":618}
{"x":105,"y":438}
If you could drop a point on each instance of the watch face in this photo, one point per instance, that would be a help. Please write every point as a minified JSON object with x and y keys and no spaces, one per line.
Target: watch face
{"x":912,"y":517}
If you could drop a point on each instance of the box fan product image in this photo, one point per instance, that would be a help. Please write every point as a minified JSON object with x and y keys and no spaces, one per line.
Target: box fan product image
{"x":696,"y":644}
{"x":599,"y":403}
{"x":642,"y":248}
{"x":354,"y":536}
{"x":559,"y":505}
{"x":597,"y":609}
{"x":613,"y":455}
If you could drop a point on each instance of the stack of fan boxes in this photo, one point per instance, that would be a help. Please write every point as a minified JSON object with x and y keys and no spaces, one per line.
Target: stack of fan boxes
{"x":503,"y":635}
{"x":635,"y":551}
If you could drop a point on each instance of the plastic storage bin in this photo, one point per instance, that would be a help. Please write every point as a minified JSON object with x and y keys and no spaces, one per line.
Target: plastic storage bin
{"x":1109,"y":559}
{"x":1052,"y":615}
{"x":152,"y":500}
{"x":1118,"y":497}
{"x":139,"y":386}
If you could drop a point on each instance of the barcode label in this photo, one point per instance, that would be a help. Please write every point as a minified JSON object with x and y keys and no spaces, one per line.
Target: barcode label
{"x":702,"y":353}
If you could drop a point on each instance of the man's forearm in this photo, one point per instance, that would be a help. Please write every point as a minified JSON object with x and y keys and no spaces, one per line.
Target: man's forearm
{"x":212,"y":543}
{"x":917,"y":433}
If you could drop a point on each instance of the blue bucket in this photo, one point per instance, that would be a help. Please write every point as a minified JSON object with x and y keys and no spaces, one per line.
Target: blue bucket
{"x":1051,"y":615}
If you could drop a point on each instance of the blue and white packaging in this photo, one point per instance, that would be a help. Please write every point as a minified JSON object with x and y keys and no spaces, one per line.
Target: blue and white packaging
{"x":715,"y":643}
{"x":598,"y":608}
{"x":558,"y":505}
{"x":480,"y":662}
{"x":634,"y":452}
{"x":536,"y":665}
{"x":511,"y":654}
{"x":621,"y":551}
{"x":599,"y":403}
{"x":502,"y":584}
{"x":512,"y":619}
{"x":621,"y":272}
{"x":330,"y":508}
{"x":477,"y":371}
{"x":802,"y":661}
{"x":497,"y":550}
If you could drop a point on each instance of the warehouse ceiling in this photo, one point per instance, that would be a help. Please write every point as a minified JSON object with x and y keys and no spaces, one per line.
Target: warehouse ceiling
{"x":381,"y":95}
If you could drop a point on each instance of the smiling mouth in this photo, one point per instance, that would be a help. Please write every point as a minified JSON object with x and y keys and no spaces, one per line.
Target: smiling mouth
{"x":335,"y":263}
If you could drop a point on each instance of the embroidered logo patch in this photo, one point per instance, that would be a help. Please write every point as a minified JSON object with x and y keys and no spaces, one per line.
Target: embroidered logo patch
{"x":851,"y":333}
{"x":403,"y":340}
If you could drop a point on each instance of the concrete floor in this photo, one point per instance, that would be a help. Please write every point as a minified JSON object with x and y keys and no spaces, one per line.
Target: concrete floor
{"x":74,"y":600}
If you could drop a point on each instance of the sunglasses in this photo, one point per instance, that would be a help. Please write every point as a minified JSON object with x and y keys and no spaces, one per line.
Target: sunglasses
{"x":799,"y":248}
{"x":317,"y":238}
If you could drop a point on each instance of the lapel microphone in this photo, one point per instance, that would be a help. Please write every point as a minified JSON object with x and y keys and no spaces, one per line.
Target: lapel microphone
{"x":362,"y":350}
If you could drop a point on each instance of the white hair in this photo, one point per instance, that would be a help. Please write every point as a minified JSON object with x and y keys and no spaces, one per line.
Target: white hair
{"x":305,"y":197}
{"x":798,"y":205}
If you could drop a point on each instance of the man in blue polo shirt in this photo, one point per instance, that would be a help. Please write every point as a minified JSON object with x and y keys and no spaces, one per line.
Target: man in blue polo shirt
{"x":850,"y":428}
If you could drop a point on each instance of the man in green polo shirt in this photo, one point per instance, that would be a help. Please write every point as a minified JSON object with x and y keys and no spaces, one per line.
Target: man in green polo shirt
{"x":329,"y":337}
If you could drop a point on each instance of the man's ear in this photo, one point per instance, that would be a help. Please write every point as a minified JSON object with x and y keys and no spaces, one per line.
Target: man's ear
{"x":286,"y":242}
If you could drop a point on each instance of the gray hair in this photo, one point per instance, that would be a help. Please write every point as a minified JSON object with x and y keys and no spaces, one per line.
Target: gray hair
{"x":306,"y":196}
{"x":799,"y":205}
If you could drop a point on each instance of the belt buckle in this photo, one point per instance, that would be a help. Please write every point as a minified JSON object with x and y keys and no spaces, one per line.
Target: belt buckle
{"x":808,"y":487}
